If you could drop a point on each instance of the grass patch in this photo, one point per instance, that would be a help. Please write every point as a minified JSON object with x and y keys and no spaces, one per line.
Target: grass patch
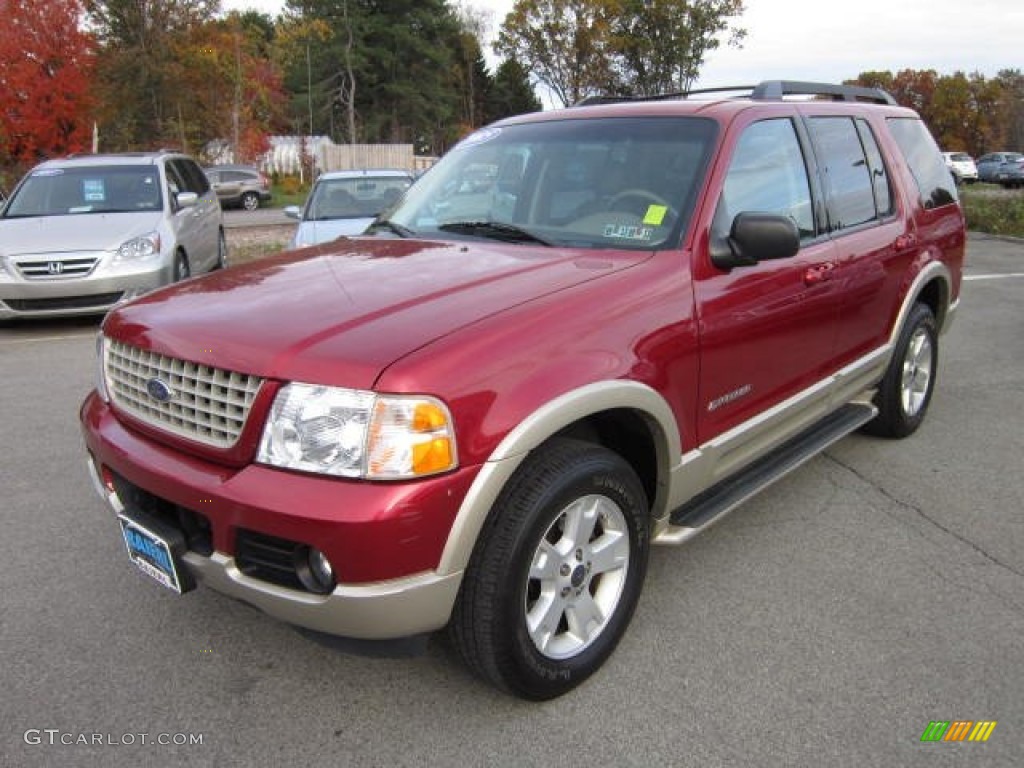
{"x":994,"y":210}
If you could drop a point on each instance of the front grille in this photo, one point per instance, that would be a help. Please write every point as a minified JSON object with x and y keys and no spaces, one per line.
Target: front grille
{"x":268,"y":558}
{"x":96,"y":301}
{"x":202,"y":403}
{"x":54,"y":269}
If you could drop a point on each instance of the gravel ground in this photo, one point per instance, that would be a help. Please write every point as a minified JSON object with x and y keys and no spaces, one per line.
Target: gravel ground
{"x":247,"y":244}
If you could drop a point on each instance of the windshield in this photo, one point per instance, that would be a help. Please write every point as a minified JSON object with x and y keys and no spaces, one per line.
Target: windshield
{"x":363,"y":197}
{"x":589,"y":183}
{"x":94,"y":189}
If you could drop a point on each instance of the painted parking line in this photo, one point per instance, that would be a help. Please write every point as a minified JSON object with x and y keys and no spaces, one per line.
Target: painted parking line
{"x":972,"y":278}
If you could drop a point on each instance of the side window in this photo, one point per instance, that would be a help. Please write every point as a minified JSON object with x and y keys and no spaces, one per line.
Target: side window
{"x":192,"y":176}
{"x":175,"y":184}
{"x":767,"y":175}
{"x":934,"y":181}
{"x":879,"y":176}
{"x":851,"y":192}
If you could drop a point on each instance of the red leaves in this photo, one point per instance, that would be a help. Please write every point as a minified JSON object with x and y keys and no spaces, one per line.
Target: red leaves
{"x":45,"y":66}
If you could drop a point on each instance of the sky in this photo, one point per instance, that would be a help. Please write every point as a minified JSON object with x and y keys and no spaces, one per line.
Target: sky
{"x":831,"y":41}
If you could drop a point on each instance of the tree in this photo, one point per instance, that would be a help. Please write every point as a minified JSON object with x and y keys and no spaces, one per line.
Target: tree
{"x":394,"y":67}
{"x":564,"y":44}
{"x":963,"y":112}
{"x":45,"y":68}
{"x":139,"y":69}
{"x":510,"y":93}
{"x":579,"y":48}
{"x":660,"y":45}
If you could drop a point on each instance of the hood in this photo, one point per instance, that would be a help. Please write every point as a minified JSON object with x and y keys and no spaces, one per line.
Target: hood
{"x":74,"y":233}
{"x":342,"y":312}
{"x":316,"y":231}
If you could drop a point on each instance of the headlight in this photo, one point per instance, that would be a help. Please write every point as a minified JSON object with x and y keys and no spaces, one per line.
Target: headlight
{"x":351,"y":433}
{"x":139,"y":248}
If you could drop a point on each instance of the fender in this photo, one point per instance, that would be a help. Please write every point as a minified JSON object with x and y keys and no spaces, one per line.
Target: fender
{"x":946,"y":310}
{"x":544,"y":422}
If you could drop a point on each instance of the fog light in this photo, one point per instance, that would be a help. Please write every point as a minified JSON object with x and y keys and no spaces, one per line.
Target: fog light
{"x":314,"y":570}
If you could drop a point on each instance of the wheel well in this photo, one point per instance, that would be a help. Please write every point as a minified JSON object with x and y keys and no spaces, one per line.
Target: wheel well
{"x":935,"y":295}
{"x":630,"y":434}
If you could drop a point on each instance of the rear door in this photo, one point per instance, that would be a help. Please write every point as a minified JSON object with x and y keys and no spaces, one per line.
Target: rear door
{"x":874,"y":240}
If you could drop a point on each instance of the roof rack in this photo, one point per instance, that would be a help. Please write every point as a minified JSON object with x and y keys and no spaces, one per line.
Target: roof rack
{"x":769,"y":90}
{"x":773,"y":90}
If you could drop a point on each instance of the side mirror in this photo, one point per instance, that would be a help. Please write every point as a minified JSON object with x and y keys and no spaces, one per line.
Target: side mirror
{"x":756,"y":237}
{"x":186,"y":199}
{"x":293,"y":212}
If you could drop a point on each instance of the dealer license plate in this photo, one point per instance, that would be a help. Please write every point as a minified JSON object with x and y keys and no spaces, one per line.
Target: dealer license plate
{"x":151,"y":553}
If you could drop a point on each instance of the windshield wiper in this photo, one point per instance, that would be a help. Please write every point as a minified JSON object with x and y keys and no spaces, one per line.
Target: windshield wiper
{"x":398,"y":229}
{"x":495,"y":230}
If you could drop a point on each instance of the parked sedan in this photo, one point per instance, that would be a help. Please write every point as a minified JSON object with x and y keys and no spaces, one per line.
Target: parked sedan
{"x":240,"y":186}
{"x":962,"y":166}
{"x":344,"y":203}
{"x":1006,"y":168}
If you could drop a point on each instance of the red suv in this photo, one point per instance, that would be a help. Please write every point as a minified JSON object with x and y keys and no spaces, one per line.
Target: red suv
{"x":583,"y":332}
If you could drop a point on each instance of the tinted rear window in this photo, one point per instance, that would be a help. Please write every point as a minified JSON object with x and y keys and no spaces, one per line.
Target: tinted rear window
{"x":934,"y":181}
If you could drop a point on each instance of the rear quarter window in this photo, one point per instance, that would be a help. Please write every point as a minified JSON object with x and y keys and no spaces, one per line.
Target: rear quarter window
{"x":934,"y":181}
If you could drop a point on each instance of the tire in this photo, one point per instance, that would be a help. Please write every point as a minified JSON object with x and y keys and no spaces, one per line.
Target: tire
{"x":250,"y":201}
{"x":222,"y":251}
{"x":906,"y":389}
{"x":181,"y":267}
{"x":567,"y":541}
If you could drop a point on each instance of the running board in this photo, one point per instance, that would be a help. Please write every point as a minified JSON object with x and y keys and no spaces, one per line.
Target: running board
{"x":715,"y":503}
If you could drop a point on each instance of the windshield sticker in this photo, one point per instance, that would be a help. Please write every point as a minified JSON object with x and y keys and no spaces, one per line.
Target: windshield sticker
{"x":49,"y":172}
{"x":479,"y":137}
{"x":628,"y":232}
{"x":93,"y":191}
{"x":655,"y":215}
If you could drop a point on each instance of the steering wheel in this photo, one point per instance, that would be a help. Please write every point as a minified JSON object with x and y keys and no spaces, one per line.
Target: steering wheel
{"x":643,"y":195}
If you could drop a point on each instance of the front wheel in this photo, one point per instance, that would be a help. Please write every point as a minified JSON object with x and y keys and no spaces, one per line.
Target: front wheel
{"x":557,"y":571}
{"x":906,"y":390}
{"x":250,"y":201}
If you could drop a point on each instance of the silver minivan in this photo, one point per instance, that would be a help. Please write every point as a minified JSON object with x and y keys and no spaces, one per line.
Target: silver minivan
{"x":81,"y":234}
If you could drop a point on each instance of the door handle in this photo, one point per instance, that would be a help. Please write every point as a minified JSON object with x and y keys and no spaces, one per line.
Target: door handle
{"x":818,"y":274}
{"x":905,"y":242}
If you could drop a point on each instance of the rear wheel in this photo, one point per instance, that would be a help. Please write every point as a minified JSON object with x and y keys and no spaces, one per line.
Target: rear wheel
{"x":906,"y":390}
{"x":557,"y":571}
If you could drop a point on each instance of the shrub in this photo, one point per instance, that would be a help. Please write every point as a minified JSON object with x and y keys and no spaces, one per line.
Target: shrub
{"x":995,"y":211}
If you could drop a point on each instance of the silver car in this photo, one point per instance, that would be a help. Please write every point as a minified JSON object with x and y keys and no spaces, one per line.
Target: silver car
{"x":81,"y":234}
{"x":344,"y":203}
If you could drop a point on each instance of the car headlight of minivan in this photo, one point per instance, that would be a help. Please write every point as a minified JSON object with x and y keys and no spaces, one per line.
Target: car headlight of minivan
{"x":353,"y":433}
{"x":139,"y":247}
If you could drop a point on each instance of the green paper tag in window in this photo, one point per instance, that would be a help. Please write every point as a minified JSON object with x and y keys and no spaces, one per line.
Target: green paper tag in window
{"x":655,"y":215}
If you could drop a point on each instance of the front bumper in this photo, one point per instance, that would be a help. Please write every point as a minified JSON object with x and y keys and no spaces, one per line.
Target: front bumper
{"x":94,"y":293}
{"x":384,"y":540}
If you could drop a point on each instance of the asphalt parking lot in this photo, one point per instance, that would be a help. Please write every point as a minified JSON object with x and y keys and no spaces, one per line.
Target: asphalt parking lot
{"x":827,"y":623}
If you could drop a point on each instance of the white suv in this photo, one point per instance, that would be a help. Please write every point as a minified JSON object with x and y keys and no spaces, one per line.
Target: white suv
{"x":81,"y":234}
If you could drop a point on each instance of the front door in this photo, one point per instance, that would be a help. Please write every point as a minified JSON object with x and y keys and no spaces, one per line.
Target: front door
{"x":767,"y":331}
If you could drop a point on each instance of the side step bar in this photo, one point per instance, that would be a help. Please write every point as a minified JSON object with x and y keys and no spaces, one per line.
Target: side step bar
{"x":712,"y":505}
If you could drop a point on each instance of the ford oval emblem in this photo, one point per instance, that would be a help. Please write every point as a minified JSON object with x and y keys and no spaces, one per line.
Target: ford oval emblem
{"x":159,"y":390}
